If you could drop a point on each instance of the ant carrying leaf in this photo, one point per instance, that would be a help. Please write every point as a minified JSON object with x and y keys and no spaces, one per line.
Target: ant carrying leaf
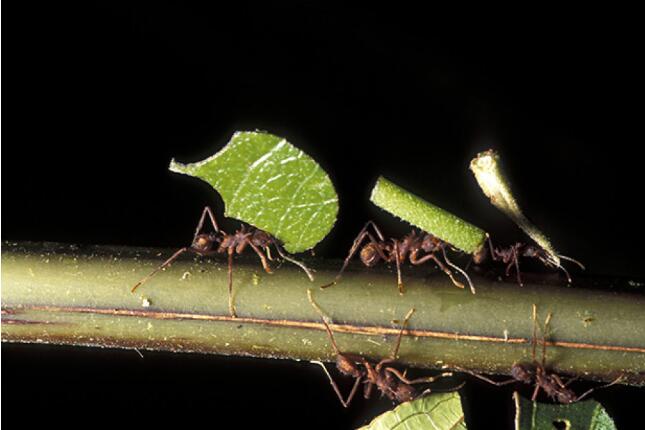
{"x":491,"y":179}
{"x":391,"y":382}
{"x":536,"y":372}
{"x":417,"y":248}
{"x":219,"y":242}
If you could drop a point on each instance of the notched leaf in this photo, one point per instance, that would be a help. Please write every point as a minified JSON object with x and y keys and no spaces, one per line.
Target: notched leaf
{"x":586,"y":415}
{"x":267,"y":182}
{"x":440,"y":411}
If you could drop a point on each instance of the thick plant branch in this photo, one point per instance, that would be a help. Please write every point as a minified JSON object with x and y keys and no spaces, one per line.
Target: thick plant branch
{"x":63,"y":294}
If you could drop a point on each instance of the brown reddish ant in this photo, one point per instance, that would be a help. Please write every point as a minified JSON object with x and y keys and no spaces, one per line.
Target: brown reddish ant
{"x":511,"y":255}
{"x":388,"y":380}
{"x":536,"y":372}
{"x":398,"y":251}
{"x":219,"y":242}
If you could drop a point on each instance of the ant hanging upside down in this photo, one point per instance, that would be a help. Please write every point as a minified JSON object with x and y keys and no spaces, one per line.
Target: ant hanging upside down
{"x":391,"y":382}
{"x":220,"y":242}
{"x":537,"y":374}
{"x":397,"y":251}
{"x":511,"y":255}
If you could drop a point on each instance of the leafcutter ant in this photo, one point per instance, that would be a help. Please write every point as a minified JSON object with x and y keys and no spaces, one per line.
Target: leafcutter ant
{"x":397,"y":251}
{"x":511,"y":255}
{"x":537,"y":374}
{"x":391,"y":382}
{"x":219,"y":242}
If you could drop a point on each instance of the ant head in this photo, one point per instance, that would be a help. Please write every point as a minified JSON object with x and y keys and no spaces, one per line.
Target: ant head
{"x":348,"y":367}
{"x":521,"y":373}
{"x":533,"y":251}
{"x":565,"y":396}
{"x":404,"y":393}
{"x":204,"y":242}
{"x":261,"y":238}
{"x":480,"y":255}
{"x":370,"y":254}
{"x":430,"y":243}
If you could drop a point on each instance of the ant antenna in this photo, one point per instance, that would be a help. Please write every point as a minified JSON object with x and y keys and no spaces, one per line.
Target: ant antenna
{"x":564,"y":257}
{"x":293,"y":261}
{"x":458,"y":269}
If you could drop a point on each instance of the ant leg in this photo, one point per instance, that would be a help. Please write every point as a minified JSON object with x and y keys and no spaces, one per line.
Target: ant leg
{"x":442,"y":267}
{"x":591,"y":390}
{"x":425,"y":380}
{"x":397,"y":259}
{"x":161,"y":267}
{"x":484,"y":378}
{"x":200,"y":224}
{"x":324,"y":320}
{"x":514,"y":261}
{"x":535,"y":392}
{"x":395,"y":351}
{"x":284,"y":256}
{"x":372,"y":375}
{"x":345,"y":403}
{"x":263,"y":258}
{"x":534,"y":337}
{"x":457,"y":268}
{"x":544,"y":334}
{"x":357,"y":242}
{"x":231,"y":306}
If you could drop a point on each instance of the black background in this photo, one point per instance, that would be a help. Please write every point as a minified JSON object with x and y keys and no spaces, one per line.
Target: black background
{"x":100,"y":97}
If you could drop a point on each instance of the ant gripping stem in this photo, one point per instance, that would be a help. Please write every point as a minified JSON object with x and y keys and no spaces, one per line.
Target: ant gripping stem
{"x":397,"y":251}
{"x":204,"y":244}
{"x":201,"y":245}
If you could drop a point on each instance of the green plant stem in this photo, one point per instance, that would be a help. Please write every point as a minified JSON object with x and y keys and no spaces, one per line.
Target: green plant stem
{"x":61,"y":294}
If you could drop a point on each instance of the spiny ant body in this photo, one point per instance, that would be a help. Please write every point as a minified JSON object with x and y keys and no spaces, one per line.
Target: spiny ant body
{"x":536,"y":373}
{"x":416,"y":248}
{"x":388,"y":380}
{"x":220,"y":242}
{"x":511,"y":255}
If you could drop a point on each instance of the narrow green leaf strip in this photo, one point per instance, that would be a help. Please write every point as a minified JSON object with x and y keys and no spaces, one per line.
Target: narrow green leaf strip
{"x":427,"y":216}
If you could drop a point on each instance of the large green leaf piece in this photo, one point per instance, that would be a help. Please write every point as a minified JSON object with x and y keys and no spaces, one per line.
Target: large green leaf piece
{"x":587,"y":415}
{"x":440,"y":411}
{"x":268,"y":183}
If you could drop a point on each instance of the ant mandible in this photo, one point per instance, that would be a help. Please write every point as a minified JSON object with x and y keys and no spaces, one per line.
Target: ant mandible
{"x":219,"y":242}
{"x":388,"y":380}
{"x":511,"y":255}
{"x":398,"y":251}
{"x":536,"y":372}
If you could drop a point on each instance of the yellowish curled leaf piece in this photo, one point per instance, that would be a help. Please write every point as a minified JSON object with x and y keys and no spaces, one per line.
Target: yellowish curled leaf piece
{"x":485,"y":167}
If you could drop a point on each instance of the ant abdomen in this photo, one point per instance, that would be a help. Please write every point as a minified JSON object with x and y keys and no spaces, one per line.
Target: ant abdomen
{"x":347,"y":367}
{"x":521,"y":373}
{"x":370,"y":255}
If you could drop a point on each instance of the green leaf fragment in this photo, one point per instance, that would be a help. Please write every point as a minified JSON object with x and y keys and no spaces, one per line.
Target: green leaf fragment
{"x":485,"y":167}
{"x":427,"y":217}
{"x":268,"y":183}
{"x":587,"y":415}
{"x":440,"y":411}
